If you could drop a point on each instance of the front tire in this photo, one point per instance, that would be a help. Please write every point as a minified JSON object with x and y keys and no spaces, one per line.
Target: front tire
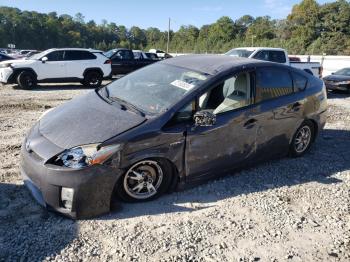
{"x":92,"y":79}
{"x":26,"y":80}
{"x":145,"y":180}
{"x":302,"y":139}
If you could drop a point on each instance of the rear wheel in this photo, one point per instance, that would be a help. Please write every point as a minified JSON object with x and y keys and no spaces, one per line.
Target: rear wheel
{"x":145,"y":180}
{"x":26,"y":80}
{"x":92,"y":79}
{"x":302,"y":139}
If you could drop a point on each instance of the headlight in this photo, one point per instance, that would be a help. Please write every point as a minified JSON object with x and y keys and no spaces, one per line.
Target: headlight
{"x":87,"y":155}
{"x":4,"y":65}
{"x":344,"y":82}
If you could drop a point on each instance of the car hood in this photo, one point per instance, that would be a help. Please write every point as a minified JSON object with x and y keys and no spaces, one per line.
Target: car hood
{"x":336,"y":78}
{"x":87,"y":119}
{"x":17,"y":62}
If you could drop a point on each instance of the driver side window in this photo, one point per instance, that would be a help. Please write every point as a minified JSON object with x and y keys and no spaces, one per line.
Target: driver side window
{"x":55,"y":56}
{"x":231,"y":94}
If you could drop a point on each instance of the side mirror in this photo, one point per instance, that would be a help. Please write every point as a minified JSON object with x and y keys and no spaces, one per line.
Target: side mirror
{"x":44,"y":59}
{"x":204,"y":118}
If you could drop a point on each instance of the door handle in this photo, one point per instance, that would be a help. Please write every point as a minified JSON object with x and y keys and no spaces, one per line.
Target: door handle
{"x":250,"y":123}
{"x":296,"y":106}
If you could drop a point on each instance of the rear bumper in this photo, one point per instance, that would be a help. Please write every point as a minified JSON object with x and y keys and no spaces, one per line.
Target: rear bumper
{"x":92,"y":186}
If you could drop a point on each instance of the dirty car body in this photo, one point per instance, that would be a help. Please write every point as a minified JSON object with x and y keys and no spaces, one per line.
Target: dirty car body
{"x":206,"y":115}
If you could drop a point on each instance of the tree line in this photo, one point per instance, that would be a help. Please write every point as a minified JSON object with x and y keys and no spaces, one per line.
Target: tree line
{"x":310,"y":28}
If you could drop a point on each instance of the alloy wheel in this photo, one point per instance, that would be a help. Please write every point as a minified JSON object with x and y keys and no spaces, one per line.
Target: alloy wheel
{"x":302,"y":139}
{"x":143,"y":179}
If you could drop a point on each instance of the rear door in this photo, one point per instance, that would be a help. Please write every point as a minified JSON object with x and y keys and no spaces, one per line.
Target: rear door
{"x":280,"y":110}
{"x":54,"y":67}
{"x":77,"y":61}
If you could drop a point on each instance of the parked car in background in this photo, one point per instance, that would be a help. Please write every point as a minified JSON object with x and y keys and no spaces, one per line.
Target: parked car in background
{"x":4,"y":57}
{"x":338,"y":81}
{"x":178,"y":121}
{"x":124,"y":60}
{"x":160,"y":53}
{"x":31,"y":53}
{"x":140,"y":55}
{"x":57,"y":65}
{"x":277,"y":55}
{"x":152,"y":56}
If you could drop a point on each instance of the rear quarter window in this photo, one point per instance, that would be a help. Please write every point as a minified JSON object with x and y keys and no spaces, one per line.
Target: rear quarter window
{"x":299,"y":82}
{"x":79,"y":55}
{"x":272,"y":83}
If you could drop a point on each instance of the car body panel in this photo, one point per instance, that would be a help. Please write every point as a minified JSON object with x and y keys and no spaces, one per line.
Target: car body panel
{"x":195,"y":152}
{"x":79,"y":121}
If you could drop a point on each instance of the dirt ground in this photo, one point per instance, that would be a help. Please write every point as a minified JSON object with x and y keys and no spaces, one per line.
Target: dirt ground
{"x":283,"y":210}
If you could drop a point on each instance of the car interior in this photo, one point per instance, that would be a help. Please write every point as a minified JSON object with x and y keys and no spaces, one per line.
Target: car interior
{"x":233,"y":93}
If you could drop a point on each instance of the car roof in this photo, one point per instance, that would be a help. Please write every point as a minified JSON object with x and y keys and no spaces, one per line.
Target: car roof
{"x":76,"y":49}
{"x":212,"y":64}
{"x":259,"y":48}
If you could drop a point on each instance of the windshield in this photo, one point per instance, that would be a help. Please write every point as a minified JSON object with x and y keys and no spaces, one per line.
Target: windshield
{"x":344,"y":72}
{"x":153,"y":89}
{"x":109,"y":53}
{"x":239,"y":52}
{"x":40,"y":55}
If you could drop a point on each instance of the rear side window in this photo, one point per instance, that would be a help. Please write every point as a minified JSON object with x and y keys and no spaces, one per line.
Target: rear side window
{"x":273,"y":82}
{"x":299,"y":82}
{"x":273,"y":56}
{"x":124,"y":55}
{"x":78,"y":55}
{"x":277,"y":56}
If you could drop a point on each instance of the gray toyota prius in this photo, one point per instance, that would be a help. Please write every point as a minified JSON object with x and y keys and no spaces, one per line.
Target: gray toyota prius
{"x":167,"y":125}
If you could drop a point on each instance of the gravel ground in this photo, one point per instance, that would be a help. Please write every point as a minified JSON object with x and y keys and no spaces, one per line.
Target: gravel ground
{"x":283,"y":210}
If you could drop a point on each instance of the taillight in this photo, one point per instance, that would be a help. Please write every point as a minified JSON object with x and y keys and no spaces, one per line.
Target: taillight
{"x":108,"y":61}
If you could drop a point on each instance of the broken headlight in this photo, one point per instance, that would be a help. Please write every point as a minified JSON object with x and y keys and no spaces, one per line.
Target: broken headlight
{"x":87,"y":155}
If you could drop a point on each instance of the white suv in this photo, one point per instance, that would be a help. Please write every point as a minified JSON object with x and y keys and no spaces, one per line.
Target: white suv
{"x":57,"y":65}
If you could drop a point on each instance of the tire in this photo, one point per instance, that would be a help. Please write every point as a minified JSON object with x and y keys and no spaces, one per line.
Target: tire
{"x":142,"y":177}
{"x":302,"y":139}
{"x":26,"y":80}
{"x":92,"y":79}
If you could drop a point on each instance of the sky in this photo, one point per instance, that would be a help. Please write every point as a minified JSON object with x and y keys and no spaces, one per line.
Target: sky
{"x":155,"y":13}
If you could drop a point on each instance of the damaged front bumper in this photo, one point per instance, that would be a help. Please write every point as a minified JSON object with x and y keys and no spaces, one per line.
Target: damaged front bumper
{"x":76,"y":193}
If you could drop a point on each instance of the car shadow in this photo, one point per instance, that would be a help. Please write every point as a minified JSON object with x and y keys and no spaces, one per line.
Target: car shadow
{"x":28,"y":232}
{"x":329,"y":154}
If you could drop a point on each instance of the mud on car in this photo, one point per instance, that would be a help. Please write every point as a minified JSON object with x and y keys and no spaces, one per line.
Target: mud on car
{"x":173,"y":123}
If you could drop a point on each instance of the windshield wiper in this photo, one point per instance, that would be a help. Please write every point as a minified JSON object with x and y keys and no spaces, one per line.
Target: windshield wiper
{"x":127,"y":105}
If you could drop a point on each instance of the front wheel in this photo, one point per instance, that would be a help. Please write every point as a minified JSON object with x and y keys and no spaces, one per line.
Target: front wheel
{"x":145,"y":180}
{"x":302,"y":139}
{"x":92,"y":79}
{"x":26,"y":80}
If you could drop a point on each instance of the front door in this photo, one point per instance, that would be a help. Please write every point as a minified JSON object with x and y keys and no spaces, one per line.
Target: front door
{"x":53,"y":68}
{"x":231,"y":141}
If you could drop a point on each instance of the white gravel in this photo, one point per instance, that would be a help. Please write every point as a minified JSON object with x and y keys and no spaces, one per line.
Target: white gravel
{"x":283,"y":210}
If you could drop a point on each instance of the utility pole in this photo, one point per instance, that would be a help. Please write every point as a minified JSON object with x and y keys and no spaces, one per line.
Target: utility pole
{"x":167,"y":44}
{"x":253,"y":36}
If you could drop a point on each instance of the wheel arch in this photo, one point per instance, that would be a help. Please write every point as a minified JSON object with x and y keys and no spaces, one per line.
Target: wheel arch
{"x":17,"y":71}
{"x":93,"y":69}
